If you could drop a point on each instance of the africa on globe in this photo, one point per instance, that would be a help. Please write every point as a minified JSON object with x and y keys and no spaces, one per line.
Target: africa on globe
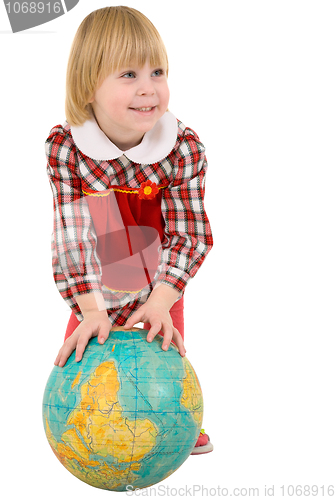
{"x":128,"y":414}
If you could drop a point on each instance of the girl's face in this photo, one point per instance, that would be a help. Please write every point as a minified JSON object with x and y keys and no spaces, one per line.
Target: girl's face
{"x":129,"y":102}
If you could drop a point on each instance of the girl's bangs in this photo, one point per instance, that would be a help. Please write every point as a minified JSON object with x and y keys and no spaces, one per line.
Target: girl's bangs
{"x":134,"y":48}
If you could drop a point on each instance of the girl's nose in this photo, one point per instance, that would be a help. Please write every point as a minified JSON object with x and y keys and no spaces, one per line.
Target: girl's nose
{"x":146,"y":87}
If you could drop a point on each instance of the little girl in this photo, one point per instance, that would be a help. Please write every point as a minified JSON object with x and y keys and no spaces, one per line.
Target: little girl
{"x":127,"y":177}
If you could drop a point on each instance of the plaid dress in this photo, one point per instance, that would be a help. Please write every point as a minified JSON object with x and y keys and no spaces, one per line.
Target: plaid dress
{"x":150,"y":198}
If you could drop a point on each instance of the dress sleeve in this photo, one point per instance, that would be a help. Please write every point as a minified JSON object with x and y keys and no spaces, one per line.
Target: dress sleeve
{"x":76,"y":267}
{"x":187,"y":228}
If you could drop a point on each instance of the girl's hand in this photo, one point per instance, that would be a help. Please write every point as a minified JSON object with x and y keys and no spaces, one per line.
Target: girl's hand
{"x":157,"y":314}
{"x":94,"y":323}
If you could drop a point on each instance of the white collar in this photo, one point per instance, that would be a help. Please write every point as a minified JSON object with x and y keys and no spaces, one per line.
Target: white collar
{"x":155,"y":145}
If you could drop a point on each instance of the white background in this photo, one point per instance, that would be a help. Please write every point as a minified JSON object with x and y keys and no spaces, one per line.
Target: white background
{"x":256,"y":80}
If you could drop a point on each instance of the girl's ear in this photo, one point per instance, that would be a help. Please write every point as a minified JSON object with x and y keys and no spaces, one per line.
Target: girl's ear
{"x":91,"y":99}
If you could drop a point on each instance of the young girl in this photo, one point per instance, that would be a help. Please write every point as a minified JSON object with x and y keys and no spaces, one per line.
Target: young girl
{"x":127,"y":177}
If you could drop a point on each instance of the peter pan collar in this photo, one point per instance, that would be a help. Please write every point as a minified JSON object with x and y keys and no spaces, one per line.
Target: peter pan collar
{"x":155,"y":145}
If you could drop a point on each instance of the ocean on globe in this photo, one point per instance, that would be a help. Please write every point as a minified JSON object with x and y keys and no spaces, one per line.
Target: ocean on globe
{"x":127,"y":415}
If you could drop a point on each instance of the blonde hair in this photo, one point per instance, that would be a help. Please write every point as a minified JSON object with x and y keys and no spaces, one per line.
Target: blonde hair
{"x":107,"y":40}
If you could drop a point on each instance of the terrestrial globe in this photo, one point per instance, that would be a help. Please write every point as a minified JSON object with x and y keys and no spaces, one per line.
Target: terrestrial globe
{"x":127,"y":415}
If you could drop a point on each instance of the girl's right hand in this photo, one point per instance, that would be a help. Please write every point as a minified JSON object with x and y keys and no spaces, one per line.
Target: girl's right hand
{"x":95,"y":323}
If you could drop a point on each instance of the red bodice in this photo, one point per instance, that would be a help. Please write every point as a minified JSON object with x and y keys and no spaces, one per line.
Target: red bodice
{"x":129,"y":226}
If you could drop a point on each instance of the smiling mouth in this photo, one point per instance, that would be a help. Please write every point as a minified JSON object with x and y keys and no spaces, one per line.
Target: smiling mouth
{"x":144,"y":109}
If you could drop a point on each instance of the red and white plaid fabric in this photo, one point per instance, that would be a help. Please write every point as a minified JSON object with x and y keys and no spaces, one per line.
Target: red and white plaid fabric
{"x":188,"y":237}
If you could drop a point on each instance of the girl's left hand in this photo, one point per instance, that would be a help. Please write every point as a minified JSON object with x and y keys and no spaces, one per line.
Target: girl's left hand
{"x":157,"y":315}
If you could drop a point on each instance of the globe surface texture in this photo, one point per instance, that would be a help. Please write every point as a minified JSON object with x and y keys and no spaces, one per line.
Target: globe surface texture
{"x":127,"y":415}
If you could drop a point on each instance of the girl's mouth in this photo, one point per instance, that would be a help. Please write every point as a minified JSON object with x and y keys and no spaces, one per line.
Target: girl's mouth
{"x":149,"y":109}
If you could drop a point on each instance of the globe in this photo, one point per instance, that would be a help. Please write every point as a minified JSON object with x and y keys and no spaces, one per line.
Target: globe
{"x":127,"y":415}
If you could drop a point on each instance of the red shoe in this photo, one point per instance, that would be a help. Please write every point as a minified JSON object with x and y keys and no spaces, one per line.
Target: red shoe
{"x":202,"y":445}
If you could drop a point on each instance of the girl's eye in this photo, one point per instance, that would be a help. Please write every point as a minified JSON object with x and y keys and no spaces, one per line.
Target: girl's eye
{"x":158,"y":72}
{"x":130,"y":74}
